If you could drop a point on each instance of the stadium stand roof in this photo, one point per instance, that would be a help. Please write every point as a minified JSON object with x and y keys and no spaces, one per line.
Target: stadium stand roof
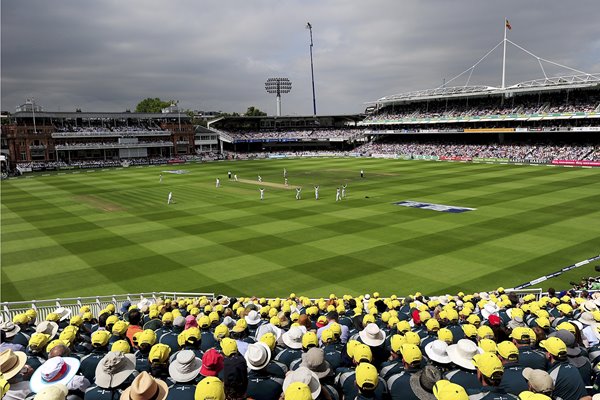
{"x":536,"y":85}
{"x":547,"y":84}
{"x":90,"y":115}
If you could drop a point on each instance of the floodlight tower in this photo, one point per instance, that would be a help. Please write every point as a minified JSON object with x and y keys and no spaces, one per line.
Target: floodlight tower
{"x":278,"y":86}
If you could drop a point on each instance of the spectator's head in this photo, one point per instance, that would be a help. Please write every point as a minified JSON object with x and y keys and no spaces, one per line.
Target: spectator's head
{"x":297,"y":391}
{"x":58,"y":349}
{"x":309,"y":340}
{"x":508,"y":352}
{"x":522,"y":336}
{"x":38,"y":342}
{"x":293,"y":338}
{"x":146,"y":387}
{"x":556,"y":349}
{"x":304,"y":376}
{"x":185,"y":367}
{"x":539,"y":381}
{"x":422,"y":382}
{"x":367,"y":378}
{"x":489,"y":369}
{"x":314,"y":360}
{"x":100,"y":340}
{"x":135,"y":317}
{"x":235,"y":378}
{"x":229,"y":347}
{"x":372,"y":336}
{"x":437,"y":352}
{"x":114,"y":369}
{"x":11,"y":363}
{"x":446,"y":390}
{"x":121,"y":345}
{"x":361,"y":353}
{"x":146,"y":340}
{"x":411,"y":356}
{"x":54,"y":370}
{"x":212,"y":363}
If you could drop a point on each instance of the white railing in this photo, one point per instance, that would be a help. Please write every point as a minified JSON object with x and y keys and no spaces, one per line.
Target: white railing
{"x":97,"y":303}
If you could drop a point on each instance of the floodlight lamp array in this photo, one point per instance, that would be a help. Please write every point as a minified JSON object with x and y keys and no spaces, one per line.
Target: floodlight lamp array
{"x":278,"y":85}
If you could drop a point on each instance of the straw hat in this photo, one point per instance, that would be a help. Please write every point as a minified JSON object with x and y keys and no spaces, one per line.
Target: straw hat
{"x":145,"y":387}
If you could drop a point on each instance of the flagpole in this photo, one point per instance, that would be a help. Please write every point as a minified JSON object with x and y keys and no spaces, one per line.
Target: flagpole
{"x":504,"y":56}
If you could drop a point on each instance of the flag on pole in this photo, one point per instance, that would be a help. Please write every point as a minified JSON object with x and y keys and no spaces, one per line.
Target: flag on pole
{"x":508,"y":25}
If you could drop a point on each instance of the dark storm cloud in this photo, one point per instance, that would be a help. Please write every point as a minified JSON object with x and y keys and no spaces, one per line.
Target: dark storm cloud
{"x":216,"y":55}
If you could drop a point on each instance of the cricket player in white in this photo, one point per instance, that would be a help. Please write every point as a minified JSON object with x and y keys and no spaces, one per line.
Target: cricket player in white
{"x":285,"y":173}
{"x":338,"y":197}
{"x":160,"y":178}
{"x":344,"y":191}
{"x":170,"y":198}
{"x":285,"y":182}
{"x":218,"y":182}
{"x":229,"y":174}
{"x":316,"y":192}
{"x":262,"y":193}
{"x":260,"y":178}
{"x":362,"y":173}
{"x":235,"y":177}
{"x":298,"y":191}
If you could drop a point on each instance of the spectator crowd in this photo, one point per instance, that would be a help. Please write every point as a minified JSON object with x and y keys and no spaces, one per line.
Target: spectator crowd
{"x":487,"y":345}
{"x":494,"y":150}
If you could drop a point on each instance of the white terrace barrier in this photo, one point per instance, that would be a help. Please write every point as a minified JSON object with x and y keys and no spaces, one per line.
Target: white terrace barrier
{"x":96,"y":303}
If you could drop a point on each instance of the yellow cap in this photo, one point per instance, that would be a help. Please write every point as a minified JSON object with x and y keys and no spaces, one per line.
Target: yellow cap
{"x":366,"y":376}
{"x":396,"y":342}
{"x":411,"y":353}
{"x":432,"y":325}
{"x":295,"y":391}
{"x":120,"y":328}
{"x":445,"y":335}
{"x":100,"y":338}
{"x":229,"y":347}
{"x":211,"y":388}
{"x":554,"y":346}
{"x":508,"y":350}
{"x":159,"y":353}
{"x":470,"y":330}
{"x":488,"y":345}
{"x":270,"y":340}
{"x":412,"y":338}
{"x":309,"y":339}
{"x":488,"y":364}
{"x":221,"y":331}
{"x":362,"y":353}
{"x":403,"y":326}
{"x":147,"y":337}
{"x":121,"y":345}
{"x":446,"y":390}
{"x":485,"y":332}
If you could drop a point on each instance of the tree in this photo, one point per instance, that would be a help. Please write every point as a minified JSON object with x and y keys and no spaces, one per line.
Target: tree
{"x":254,"y":112}
{"x":152,"y":105}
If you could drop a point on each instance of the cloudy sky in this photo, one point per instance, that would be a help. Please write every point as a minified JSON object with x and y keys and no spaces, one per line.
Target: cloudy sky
{"x":107,"y":55}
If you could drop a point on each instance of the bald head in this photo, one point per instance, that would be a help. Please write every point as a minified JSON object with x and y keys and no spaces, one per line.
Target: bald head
{"x":59,"y":350}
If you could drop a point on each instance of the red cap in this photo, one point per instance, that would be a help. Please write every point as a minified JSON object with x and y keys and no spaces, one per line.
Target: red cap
{"x":415,"y":316}
{"x":212,"y":363}
{"x":494,"y":320}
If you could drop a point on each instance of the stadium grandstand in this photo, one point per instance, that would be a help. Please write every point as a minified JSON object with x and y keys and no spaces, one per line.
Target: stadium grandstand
{"x":35,"y":139}
{"x":499,"y":344}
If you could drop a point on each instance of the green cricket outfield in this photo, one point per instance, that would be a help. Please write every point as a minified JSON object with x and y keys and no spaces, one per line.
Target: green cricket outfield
{"x":102,"y":232}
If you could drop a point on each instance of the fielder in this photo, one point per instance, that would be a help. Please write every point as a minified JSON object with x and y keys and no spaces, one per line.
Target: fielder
{"x":285,"y":173}
{"x":285,"y":182}
{"x":218,"y":184}
{"x":229,"y":174}
{"x":338,"y":196}
{"x":298,"y":192}
{"x":316,"y":192}
{"x":170,"y":198}
{"x":262,"y":193}
{"x":362,"y":173}
{"x":235,"y":177}
{"x":160,"y":178}
{"x":260,"y":178}
{"x":344,"y":191}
